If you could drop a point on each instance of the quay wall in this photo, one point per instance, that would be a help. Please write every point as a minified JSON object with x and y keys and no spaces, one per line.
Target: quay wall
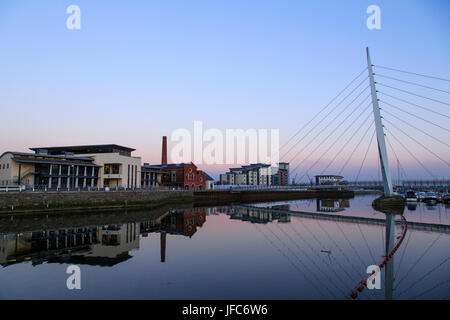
{"x":54,"y":201}
{"x":35,"y":201}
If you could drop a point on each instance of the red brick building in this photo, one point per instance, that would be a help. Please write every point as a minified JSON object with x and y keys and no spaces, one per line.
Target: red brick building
{"x":183,"y":175}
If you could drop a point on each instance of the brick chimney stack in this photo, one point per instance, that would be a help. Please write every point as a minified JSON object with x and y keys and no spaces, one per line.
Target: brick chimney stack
{"x":164,"y":151}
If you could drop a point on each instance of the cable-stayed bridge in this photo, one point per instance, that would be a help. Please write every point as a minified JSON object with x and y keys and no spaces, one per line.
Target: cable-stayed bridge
{"x":397,"y":116}
{"x":407,"y":112}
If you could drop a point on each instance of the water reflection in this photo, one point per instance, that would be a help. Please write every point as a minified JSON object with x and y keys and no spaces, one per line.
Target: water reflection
{"x":320,"y":249}
{"x":104,"y":245}
{"x":255,"y":215}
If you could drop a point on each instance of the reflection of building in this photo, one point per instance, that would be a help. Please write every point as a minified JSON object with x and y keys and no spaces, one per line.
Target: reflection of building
{"x":257,"y":216}
{"x":96,"y":245}
{"x":40,"y":246}
{"x":328,"y":180}
{"x":328,"y":205}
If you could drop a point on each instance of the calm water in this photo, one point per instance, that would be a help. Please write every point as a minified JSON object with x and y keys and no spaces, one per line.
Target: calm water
{"x":240,"y":252}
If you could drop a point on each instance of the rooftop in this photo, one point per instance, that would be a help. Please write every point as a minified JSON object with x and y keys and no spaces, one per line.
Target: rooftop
{"x":85,"y":149}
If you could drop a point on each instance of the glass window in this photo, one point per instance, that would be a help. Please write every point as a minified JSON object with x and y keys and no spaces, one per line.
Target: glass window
{"x":55,"y":170}
{"x":111,"y":168}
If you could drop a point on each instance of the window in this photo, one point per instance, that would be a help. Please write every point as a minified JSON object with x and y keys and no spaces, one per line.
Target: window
{"x":111,"y":168}
{"x":7,"y":166}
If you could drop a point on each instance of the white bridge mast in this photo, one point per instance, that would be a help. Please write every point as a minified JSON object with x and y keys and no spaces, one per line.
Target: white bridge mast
{"x":380,"y":132}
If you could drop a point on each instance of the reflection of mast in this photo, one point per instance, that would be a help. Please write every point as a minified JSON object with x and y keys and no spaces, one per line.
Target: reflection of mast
{"x":163,"y":247}
{"x":389,"y":271}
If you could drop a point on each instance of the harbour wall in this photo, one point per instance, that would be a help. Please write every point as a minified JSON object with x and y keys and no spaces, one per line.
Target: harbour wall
{"x":86,"y":200}
{"x":53,"y":201}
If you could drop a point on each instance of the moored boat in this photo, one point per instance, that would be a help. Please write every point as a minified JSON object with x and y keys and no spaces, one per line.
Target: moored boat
{"x":410,"y":196}
{"x":430,"y":197}
{"x":446,"y":198}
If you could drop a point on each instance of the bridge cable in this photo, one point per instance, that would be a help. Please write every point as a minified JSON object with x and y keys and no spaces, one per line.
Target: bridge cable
{"x":332,"y":132}
{"x":426,"y":275}
{"x":326,"y":116}
{"x":289,"y":259}
{"x":347,"y":142}
{"x":413,"y":83}
{"x":411,"y":93}
{"x":320,"y":256}
{"x":363,"y":284}
{"x":398,"y":160}
{"x":418,"y":260}
{"x":411,"y":154}
{"x":307,"y":256}
{"x":339,"y":248}
{"x":431,"y":289}
{"x":354,"y":149}
{"x":365,"y":155}
{"x":350,"y":244}
{"x":411,"y":114}
{"x":334,"y":143}
{"x":323,"y":246}
{"x":406,"y":134}
{"x":293,"y":253}
{"x":367,"y":243}
{"x":405,"y":122}
{"x":403,"y":254}
{"x":323,"y":109}
{"x":413,"y":73}
{"x":414,"y":104}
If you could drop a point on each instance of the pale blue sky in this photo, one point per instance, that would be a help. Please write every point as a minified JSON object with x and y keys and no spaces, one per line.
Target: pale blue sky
{"x":138,"y":70}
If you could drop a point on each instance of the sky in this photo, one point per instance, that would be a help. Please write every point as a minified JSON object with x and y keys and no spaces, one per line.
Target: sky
{"x":138,"y":70}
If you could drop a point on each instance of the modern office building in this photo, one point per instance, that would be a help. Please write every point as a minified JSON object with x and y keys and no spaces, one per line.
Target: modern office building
{"x":119,"y":167}
{"x":41,"y":169}
{"x":257,"y":174}
{"x":281,"y":178}
{"x":72,"y":167}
